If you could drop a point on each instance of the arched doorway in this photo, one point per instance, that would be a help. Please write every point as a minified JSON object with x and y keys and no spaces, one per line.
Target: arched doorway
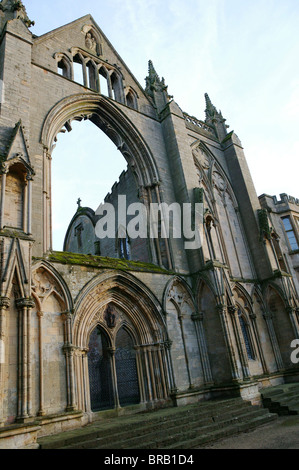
{"x":100,"y":371}
{"x":113,"y":377}
{"x":117,"y":318}
{"x":126,"y":369}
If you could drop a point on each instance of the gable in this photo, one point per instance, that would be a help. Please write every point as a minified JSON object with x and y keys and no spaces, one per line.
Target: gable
{"x":17,"y":150}
{"x":85,"y":36}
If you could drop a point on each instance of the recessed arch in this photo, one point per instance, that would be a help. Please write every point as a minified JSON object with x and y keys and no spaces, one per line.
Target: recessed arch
{"x":139,"y":314}
{"x":109,"y":118}
{"x":63,"y":294}
{"x":126,"y":291}
{"x":177,"y":280}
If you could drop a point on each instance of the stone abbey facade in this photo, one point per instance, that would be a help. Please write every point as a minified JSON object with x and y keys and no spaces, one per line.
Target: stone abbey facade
{"x":114,"y":327}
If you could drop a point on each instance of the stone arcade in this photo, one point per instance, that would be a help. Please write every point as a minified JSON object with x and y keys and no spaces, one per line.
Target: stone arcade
{"x":130,"y":324}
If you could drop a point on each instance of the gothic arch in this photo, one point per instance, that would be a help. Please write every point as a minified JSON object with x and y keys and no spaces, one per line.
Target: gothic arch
{"x":184,"y":285}
{"x":58,"y":288}
{"x":207,"y":299}
{"x":97,"y":47}
{"x":281,"y":316}
{"x":185,"y":328}
{"x":123,"y":290}
{"x":138,"y":311}
{"x":105,"y":114}
{"x":244,"y":294}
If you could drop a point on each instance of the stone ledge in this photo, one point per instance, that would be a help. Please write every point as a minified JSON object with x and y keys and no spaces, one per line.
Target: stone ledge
{"x":19,"y":436}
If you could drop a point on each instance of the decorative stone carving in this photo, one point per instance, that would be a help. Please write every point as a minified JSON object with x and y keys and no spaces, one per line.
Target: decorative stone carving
{"x":219,"y":181}
{"x":19,"y":10}
{"x":43,"y":285}
{"x":110,"y":316}
{"x":90,"y":42}
{"x":202,"y":158}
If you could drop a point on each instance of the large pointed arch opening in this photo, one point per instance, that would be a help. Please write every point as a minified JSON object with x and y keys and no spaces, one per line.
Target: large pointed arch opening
{"x":107,"y":117}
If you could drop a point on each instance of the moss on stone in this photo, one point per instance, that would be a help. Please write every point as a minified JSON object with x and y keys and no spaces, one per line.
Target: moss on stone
{"x":227,"y":137}
{"x":103,"y":262}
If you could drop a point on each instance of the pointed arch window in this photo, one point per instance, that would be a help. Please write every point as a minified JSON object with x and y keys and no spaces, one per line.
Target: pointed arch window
{"x":92,"y":76}
{"x":116,"y":83}
{"x":78,"y":69}
{"x":246,"y":335}
{"x":64,"y":66}
{"x":124,"y":248}
{"x":131,"y":99}
{"x":104,"y":84}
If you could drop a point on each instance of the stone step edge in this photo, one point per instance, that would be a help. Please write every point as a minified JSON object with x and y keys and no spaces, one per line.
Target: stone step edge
{"x":96,"y":427}
{"x":227,"y":432}
{"x":124,"y":444}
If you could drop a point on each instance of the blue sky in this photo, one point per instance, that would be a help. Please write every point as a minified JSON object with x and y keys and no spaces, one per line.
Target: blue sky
{"x":244,"y":54}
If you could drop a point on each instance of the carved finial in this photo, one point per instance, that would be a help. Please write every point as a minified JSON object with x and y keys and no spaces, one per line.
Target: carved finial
{"x":18,"y":9}
{"x":215,"y":118}
{"x":154,"y":83}
{"x":211,"y":111}
{"x":79,"y":203}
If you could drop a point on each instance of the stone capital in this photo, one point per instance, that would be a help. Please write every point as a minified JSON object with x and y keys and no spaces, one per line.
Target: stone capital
{"x":197,"y":316}
{"x":111,"y":350}
{"x":232,"y":309}
{"x":168,"y":344}
{"x":69,"y":349}
{"x":24,"y":303}
{"x":4,"y":302}
{"x":221,"y":308}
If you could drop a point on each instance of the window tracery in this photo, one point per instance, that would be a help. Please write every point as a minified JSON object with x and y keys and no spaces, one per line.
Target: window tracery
{"x":95,"y":74}
{"x":246,"y":334}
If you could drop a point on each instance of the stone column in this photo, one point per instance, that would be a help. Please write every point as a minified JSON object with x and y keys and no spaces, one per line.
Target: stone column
{"x":258,"y":342}
{"x":24,"y":307}
{"x":162,"y":372}
{"x":29,"y":205}
{"x":180,"y":317}
{"x":111,"y":352}
{"x":4,"y":305}
{"x":167,"y":348}
{"x":154,"y":244}
{"x":230,"y":348}
{"x":69,"y":351}
{"x":41,"y":411}
{"x":86,"y":380}
{"x":268,"y":316}
{"x":85,"y":79}
{"x":292,"y":312}
{"x":152,"y":373}
{"x":47,"y":215}
{"x":166,"y":240}
{"x":147,"y":371}
{"x":202,"y":346}
{"x":2,"y":202}
{"x":109,"y":86}
{"x":232,"y":309}
{"x":140,"y":374}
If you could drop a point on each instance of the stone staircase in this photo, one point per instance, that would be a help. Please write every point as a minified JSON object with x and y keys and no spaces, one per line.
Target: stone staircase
{"x":282,"y":399}
{"x":171,"y":428}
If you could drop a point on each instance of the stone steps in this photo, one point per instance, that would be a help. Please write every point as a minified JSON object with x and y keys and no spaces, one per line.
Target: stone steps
{"x":282,"y":399}
{"x":168,"y":428}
